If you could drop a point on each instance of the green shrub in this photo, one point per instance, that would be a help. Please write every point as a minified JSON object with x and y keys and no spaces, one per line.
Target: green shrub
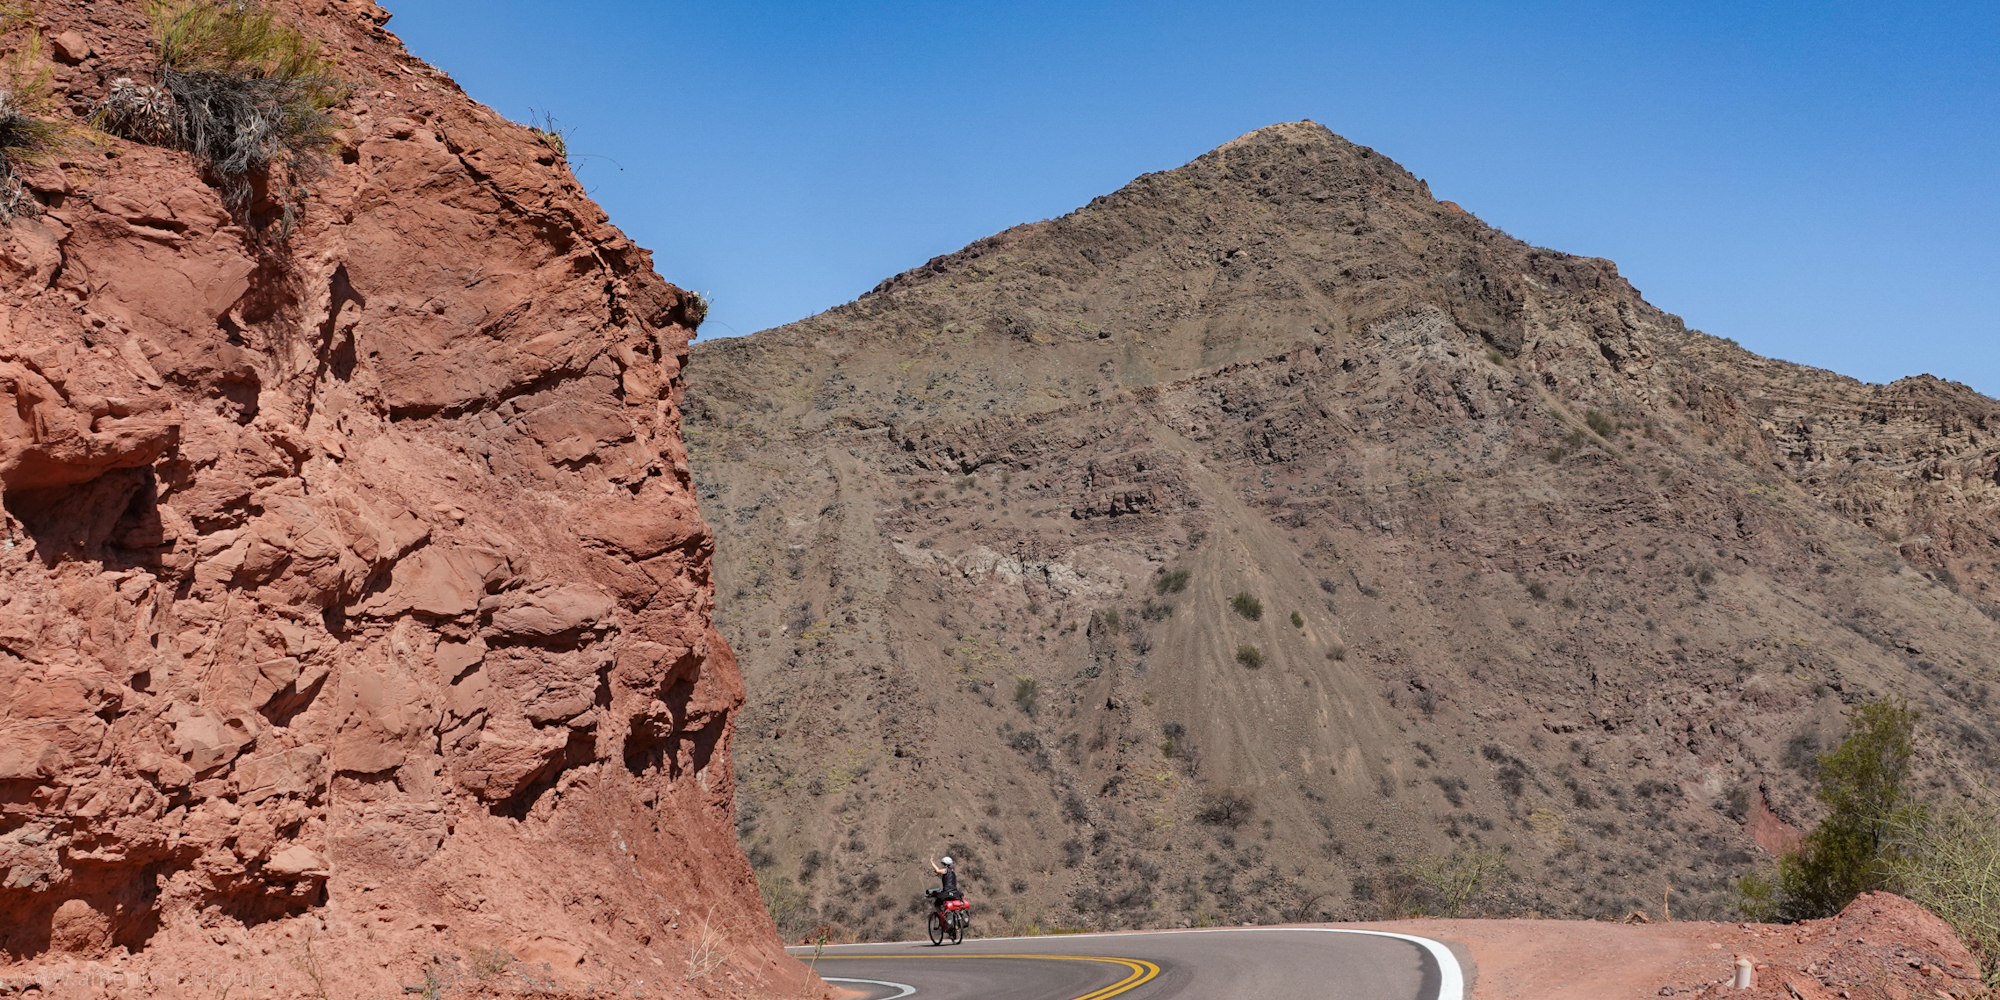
{"x":1171,"y":582}
{"x":1247,"y":606}
{"x":1599,"y":423}
{"x":1026,"y":691}
{"x":1250,"y":656}
{"x":1864,"y":785}
{"x":1757,"y":896}
{"x":1455,"y":880}
{"x":1153,"y":612}
{"x":1538,"y":590}
{"x":1298,"y":621}
{"x":243,"y":91}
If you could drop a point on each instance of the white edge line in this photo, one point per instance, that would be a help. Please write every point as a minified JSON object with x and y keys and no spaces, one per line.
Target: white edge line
{"x":905,"y":987}
{"x":1451,"y":978}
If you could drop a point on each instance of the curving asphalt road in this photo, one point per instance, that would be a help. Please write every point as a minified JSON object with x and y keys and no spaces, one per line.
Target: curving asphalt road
{"x":1239,"y":963}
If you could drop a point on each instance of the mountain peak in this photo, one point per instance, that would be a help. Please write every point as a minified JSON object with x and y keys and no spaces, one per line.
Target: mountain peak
{"x":1285,"y":235}
{"x":1288,"y":160}
{"x":1302,"y":132}
{"x":1547,"y":571}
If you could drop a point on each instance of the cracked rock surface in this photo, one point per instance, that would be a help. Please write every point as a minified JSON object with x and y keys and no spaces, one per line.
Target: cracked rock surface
{"x":354,"y":602}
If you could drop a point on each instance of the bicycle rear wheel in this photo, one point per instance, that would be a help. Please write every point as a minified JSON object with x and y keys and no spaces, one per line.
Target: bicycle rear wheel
{"x":957,"y":928}
{"x":936,"y":929}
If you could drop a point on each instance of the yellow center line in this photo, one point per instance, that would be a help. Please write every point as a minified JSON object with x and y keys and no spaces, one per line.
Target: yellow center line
{"x":1142,"y":970}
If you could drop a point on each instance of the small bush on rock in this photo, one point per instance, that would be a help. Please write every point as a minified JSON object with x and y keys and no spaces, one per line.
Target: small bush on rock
{"x":552,"y":135}
{"x":140,"y":113}
{"x":696,"y":310}
{"x":243,"y":91}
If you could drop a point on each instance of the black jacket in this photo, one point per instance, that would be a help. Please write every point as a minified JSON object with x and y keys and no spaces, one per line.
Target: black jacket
{"x":950,"y":879}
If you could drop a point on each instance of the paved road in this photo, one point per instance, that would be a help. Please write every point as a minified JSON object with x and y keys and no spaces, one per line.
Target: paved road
{"x":1210,"y":964}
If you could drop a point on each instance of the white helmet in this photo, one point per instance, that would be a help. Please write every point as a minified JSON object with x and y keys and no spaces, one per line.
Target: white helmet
{"x":945,"y":862}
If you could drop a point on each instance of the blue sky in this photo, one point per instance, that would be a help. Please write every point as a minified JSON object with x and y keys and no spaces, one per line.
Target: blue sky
{"x":1819,"y":181}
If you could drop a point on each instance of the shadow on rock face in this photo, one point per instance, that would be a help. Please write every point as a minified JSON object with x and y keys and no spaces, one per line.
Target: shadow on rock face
{"x":113,"y":519}
{"x":112,"y":913}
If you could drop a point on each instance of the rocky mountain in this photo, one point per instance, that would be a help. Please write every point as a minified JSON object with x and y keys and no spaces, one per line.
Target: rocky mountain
{"x":354,"y":603}
{"x":1244,"y":542}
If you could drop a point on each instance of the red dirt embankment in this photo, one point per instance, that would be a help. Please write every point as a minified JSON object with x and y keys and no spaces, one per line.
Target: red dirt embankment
{"x":355,"y":625}
{"x":1882,"y":947}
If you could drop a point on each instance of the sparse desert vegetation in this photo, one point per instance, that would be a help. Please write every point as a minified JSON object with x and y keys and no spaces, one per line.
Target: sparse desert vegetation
{"x":1570,"y":641}
{"x":243,"y":90}
{"x":31,"y":131}
{"x":1880,"y":835}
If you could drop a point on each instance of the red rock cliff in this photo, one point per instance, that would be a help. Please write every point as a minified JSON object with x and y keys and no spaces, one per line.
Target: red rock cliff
{"x":354,"y":606}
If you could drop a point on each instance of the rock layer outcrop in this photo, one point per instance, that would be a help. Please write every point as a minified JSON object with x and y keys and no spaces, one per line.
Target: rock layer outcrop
{"x":354,"y":603}
{"x":1526,"y":565}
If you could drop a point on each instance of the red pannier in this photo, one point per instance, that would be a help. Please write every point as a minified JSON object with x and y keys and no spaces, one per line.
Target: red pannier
{"x":957,"y":904}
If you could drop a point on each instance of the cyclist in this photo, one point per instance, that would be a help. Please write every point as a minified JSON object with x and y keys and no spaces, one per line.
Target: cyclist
{"x":948,"y":877}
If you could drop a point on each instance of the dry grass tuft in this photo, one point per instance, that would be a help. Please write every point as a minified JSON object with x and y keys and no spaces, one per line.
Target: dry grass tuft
{"x":28,"y":135}
{"x":707,"y":953}
{"x":244,"y":91}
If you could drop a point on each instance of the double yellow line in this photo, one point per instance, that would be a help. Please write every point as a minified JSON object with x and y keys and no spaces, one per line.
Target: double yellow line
{"x":1140,"y":971}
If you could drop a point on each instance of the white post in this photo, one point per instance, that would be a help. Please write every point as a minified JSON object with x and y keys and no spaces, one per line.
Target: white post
{"x":1746,"y":973}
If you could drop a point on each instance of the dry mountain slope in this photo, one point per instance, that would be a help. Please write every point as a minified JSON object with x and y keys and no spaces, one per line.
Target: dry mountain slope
{"x":1539,"y":569}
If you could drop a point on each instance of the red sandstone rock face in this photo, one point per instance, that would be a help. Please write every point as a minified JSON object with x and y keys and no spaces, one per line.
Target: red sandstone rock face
{"x":354,"y":607}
